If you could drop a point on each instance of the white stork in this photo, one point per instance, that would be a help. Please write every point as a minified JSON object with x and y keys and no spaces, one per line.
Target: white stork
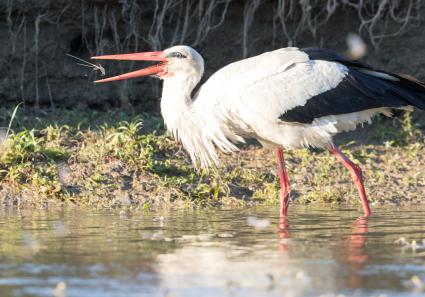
{"x":288,"y":98}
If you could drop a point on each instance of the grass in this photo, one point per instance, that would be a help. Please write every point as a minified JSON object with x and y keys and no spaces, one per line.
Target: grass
{"x":121,"y":159}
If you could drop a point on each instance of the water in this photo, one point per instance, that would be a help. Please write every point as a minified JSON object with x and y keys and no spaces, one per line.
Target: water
{"x":212,"y":253}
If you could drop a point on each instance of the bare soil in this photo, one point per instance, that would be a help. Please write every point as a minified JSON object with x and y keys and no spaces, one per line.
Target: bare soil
{"x":35,"y":37}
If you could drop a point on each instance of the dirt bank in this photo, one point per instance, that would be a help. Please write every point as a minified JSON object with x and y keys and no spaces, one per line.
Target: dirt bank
{"x":118,"y":159}
{"x":35,"y":36}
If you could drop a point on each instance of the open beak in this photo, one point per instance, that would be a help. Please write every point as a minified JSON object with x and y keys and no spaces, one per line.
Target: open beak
{"x":147,"y":56}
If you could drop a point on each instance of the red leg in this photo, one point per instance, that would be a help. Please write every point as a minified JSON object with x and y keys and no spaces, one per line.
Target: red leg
{"x":284,"y":183}
{"x":356,"y":173}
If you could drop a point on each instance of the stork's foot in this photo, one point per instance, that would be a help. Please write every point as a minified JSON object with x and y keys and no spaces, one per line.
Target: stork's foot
{"x":284,"y":183}
{"x":356,"y":174}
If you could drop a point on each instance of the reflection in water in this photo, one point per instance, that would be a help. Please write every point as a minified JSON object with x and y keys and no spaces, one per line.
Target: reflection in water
{"x":229,"y":268}
{"x":283,"y":234}
{"x":352,"y":250}
{"x":215,"y":253}
{"x":356,"y":255}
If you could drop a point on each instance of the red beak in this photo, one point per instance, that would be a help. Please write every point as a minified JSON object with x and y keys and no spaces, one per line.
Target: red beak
{"x":147,"y":56}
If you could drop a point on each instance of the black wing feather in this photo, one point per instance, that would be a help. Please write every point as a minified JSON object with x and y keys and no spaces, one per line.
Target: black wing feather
{"x":315,"y":53}
{"x":358,"y":91}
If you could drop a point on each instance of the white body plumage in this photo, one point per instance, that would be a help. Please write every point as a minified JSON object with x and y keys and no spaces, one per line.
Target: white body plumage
{"x":245,"y":99}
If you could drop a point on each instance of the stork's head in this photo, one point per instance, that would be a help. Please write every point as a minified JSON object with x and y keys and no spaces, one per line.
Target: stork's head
{"x":174,"y":62}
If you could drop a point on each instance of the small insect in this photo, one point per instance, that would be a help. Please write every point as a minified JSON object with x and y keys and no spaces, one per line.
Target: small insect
{"x":95,"y":67}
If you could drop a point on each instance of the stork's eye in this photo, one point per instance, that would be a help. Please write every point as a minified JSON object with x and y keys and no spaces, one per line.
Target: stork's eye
{"x":176,"y":55}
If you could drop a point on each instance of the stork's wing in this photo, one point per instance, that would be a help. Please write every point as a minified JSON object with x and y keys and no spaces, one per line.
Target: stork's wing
{"x":362,"y":88}
{"x":254,"y":85}
{"x":295,"y":85}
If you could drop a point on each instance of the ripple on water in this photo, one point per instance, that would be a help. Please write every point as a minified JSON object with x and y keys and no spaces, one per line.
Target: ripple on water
{"x":316,"y":252}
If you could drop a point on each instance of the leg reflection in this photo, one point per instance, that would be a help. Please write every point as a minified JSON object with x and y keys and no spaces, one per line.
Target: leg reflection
{"x":283,"y":234}
{"x":356,"y":257}
{"x":351,"y":253}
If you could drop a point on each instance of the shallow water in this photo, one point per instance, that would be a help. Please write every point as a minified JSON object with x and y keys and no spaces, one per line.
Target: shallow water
{"x":212,"y":253}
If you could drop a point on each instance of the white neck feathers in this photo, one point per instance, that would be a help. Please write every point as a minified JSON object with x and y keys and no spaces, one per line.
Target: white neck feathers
{"x":198,"y":131}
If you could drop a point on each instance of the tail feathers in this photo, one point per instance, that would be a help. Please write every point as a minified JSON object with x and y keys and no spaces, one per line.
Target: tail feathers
{"x":404,"y":87}
{"x":414,"y":87}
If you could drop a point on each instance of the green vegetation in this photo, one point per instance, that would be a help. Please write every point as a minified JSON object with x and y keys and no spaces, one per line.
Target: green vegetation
{"x":121,"y":159}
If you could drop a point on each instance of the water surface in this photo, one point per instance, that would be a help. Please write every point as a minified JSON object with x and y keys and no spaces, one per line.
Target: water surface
{"x":212,"y":253}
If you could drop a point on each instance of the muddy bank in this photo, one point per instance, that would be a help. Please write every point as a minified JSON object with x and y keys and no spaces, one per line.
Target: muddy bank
{"x":36,"y":35}
{"x":116,"y":159}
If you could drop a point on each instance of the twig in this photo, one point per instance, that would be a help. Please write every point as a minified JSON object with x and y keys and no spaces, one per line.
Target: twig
{"x":24,"y":62}
{"x":95,"y":67}
{"x":49,"y":90}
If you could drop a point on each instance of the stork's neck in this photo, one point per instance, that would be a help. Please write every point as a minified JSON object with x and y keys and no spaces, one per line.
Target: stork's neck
{"x":196,"y":127}
{"x":176,"y":102}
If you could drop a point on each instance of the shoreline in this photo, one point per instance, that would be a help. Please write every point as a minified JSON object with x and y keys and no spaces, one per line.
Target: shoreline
{"x":118,"y":159}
